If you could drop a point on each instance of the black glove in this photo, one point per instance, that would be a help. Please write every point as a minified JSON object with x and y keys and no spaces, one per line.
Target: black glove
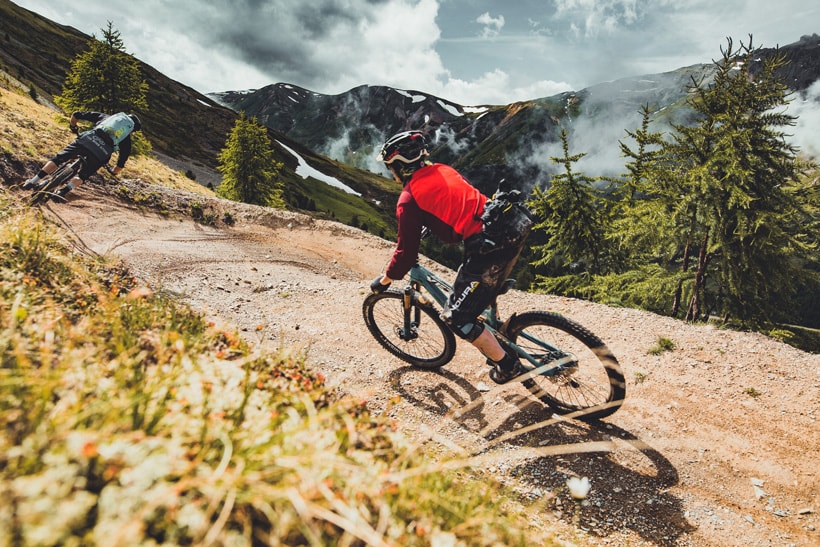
{"x":376,"y":286}
{"x":74,"y":129}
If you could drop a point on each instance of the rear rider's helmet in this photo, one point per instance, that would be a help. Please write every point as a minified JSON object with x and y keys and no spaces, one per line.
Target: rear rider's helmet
{"x":404,"y":153}
{"x":137,"y":123}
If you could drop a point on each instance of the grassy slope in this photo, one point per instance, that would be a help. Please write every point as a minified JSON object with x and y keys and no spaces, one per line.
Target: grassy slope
{"x":126,"y":416}
{"x":183,"y":124}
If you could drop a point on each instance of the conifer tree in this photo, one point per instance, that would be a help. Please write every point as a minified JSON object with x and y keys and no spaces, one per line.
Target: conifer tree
{"x":653,"y":224}
{"x":105,"y":78}
{"x":573,"y":217}
{"x":249,"y":171}
{"x":737,"y":178}
{"x":641,"y":222}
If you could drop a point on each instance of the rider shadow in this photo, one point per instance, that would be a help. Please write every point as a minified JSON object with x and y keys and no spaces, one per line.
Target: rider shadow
{"x":630,"y":484}
{"x":453,"y":396}
{"x":630,"y":479}
{"x":514,"y":417}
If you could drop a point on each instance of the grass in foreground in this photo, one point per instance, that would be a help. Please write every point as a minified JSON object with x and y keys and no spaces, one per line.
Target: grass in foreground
{"x":126,"y":419}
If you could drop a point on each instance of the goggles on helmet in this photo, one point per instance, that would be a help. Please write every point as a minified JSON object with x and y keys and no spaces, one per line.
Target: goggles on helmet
{"x":396,"y":155}
{"x":406,"y":147}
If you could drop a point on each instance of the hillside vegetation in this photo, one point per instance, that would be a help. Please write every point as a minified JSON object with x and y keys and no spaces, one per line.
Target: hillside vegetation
{"x":128,"y":419}
{"x":672,"y":468}
{"x":186,"y":129}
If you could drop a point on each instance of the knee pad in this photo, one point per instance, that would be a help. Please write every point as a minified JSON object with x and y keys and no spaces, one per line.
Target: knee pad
{"x":467,"y":331}
{"x":470,"y":331}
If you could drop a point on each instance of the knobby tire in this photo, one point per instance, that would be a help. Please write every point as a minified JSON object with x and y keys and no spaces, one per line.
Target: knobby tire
{"x":593,"y":389}
{"x":434,"y":343}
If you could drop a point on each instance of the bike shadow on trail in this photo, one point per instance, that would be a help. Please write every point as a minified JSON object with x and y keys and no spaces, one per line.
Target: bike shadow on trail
{"x":518,"y":435}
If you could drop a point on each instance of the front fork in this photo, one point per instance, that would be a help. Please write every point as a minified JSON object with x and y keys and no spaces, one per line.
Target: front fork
{"x":409,"y":331}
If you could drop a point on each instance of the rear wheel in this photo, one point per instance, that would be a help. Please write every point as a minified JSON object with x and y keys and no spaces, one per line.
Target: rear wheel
{"x":425,"y":341}
{"x":580,"y":373}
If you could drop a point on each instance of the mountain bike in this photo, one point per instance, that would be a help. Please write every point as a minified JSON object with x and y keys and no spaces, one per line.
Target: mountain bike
{"x":58,"y":178}
{"x":567,"y":367}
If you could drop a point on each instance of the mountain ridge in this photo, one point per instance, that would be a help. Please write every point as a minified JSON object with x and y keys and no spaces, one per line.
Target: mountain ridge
{"x":337,"y":135}
{"x":493,"y":142}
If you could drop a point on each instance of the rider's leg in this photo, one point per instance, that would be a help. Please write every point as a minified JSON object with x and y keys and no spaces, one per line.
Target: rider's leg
{"x":90,"y":166}
{"x":45,"y":171}
{"x":477,"y":283}
{"x":70,"y":151}
{"x":75,"y":182}
{"x":489,"y":346}
{"x":49,"y":167}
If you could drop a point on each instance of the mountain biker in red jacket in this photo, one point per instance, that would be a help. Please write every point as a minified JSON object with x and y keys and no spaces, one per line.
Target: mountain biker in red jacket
{"x":95,"y":145}
{"x":436,"y":196}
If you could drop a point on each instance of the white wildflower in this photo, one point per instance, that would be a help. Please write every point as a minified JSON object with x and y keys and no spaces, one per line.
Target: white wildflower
{"x":578,"y":488}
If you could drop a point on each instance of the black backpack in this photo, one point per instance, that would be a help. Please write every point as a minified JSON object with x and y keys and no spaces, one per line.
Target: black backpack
{"x":507,"y":221}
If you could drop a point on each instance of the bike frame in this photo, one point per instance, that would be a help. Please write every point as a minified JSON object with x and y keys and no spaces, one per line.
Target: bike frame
{"x":440,"y":290}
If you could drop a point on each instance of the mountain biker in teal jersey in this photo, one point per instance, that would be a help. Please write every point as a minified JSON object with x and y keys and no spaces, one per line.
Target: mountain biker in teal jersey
{"x":111,"y":132}
{"x":437,"y":197}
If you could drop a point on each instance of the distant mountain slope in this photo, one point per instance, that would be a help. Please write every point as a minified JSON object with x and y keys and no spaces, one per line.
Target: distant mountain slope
{"x":487,"y":143}
{"x":492,"y":142}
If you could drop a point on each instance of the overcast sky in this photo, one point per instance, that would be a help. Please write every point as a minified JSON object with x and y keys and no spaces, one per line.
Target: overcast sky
{"x":469,"y":51}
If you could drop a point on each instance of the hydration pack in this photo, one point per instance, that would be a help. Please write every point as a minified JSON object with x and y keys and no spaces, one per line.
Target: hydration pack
{"x":507,"y":221}
{"x":96,"y":145}
{"x":117,"y":126}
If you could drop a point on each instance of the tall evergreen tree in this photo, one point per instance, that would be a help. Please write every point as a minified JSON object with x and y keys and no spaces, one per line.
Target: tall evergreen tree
{"x":655,"y":223}
{"x":642,"y":224}
{"x":249,"y":171}
{"x":737,"y":181}
{"x":105,"y":78}
{"x":573,"y":217}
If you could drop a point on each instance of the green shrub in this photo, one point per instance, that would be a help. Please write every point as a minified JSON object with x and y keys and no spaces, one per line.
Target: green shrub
{"x":662,"y":345}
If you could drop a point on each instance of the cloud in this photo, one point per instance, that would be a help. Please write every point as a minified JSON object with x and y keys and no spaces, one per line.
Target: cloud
{"x":492,"y":25}
{"x":457,"y":49}
{"x":495,"y":87}
{"x":590,"y":18}
{"x":328,"y":46}
{"x":804,"y":134}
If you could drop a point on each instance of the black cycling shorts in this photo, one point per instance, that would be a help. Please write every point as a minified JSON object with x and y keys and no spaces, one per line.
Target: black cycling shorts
{"x":478,"y":281}
{"x":74,"y":149}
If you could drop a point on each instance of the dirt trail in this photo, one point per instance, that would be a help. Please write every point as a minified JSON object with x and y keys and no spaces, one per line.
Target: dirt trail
{"x":717,"y":443}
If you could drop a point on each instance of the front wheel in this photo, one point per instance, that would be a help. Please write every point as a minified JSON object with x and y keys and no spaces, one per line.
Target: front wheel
{"x":578,"y":373}
{"x":55,"y":180}
{"x":423,"y":339}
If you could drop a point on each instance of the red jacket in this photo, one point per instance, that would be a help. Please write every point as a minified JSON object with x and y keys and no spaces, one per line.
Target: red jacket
{"x":438,"y":197}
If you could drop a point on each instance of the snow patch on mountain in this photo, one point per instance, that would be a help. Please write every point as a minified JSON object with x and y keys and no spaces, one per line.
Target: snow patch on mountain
{"x":304,"y":170}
